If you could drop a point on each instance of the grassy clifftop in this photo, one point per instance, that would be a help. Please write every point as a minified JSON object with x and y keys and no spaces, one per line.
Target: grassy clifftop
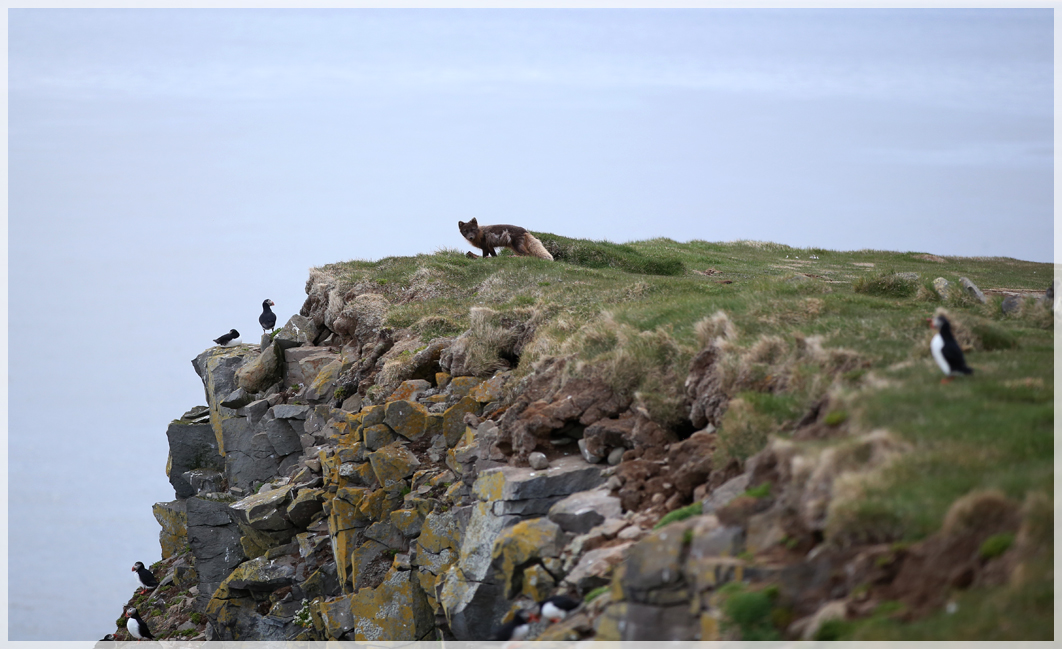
{"x":803,"y":330}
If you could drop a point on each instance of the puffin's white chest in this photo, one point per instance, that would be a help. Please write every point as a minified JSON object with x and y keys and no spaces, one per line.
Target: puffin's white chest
{"x":133,"y":627}
{"x":937,"y":347}
{"x":553,"y":613}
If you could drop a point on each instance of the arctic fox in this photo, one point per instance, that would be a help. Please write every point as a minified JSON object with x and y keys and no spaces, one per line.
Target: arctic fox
{"x":517,"y":239}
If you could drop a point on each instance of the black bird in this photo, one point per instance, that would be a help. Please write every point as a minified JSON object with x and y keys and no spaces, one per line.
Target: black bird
{"x":136,"y":626}
{"x":517,"y":629}
{"x":945,"y":350}
{"x":558,"y":607}
{"x":107,"y":638}
{"x":229,"y":339}
{"x":268,"y":319}
{"x":147,"y":579}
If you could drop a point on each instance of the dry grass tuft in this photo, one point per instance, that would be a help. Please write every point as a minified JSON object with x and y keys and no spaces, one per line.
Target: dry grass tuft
{"x":717,"y":325}
{"x":977,"y":510}
{"x":487,"y":341}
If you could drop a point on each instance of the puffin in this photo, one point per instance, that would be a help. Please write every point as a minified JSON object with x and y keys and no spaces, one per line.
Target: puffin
{"x":136,"y":625}
{"x":268,"y":319}
{"x":107,"y":638}
{"x":147,"y":580}
{"x":558,"y":607}
{"x":945,"y":350}
{"x":230,"y":339}
{"x":517,"y":629}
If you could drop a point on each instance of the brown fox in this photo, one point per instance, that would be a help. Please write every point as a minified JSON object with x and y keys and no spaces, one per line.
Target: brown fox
{"x":513,"y":237}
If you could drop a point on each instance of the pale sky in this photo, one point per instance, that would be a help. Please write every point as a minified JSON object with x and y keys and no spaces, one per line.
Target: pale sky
{"x":170,"y":169}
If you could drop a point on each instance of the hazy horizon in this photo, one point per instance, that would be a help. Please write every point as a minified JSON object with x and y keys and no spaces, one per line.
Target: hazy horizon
{"x":171,"y":169}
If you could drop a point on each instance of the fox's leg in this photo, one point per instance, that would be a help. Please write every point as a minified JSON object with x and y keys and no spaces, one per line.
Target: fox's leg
{"x":489,"y":252}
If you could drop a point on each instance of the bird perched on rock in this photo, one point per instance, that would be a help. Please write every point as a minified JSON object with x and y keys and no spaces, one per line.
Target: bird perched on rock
{"x":946,"y":351}
{"x":557,"y":608}
{"x":230,"y":339}
{"x":268,"y":319}
{"x":517,"y":629}
{"x":136,"y":626}
{"x":147,"y":579}
{"x":107,"y":638}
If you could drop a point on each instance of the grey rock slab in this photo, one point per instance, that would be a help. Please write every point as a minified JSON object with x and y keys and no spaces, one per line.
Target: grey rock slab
{"x":238,"y":398}
{"x":386,"y":533}
{"x":250,"y":457}
{"x":290,"y":411}
{"x":255,"y":410}
{"x":283,"y":437}
{"x":726,"y":492}
{"x":567,"y":475}
{"x":582,"y":511}
{"x":265,"y":511}
{"x":595,"y":567}
{"x":263,"y":574}
{"x":214,"y":538}
{"x":192,"y":446}
{"x":524,"y":508}
{"x":197,"y":412}
{"x":1011,"y":304}
{"x":205,"y":480}
{"x":972,"y":290}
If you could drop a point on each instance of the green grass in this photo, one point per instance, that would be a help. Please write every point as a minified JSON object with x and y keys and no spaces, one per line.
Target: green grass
{"x":628,"y":313}
{"x":680,"y":514}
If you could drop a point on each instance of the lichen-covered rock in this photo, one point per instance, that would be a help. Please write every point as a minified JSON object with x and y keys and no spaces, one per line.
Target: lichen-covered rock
{"x":453,"y":421}
{"x":595,"y":567}
{"x":378,"y":436}
{"x":262,"y":371}
{"x":409,"y":390}
{"x":334,"y":616}
{"x":396,"y":610}
{"x":362,"y":561}
{"x":522,"y":543}
{"x":173,"y":518}
{"x":461,"y":386}
{"x":537,"y":583}
{"x":217,"y":367}
{"x":393,"y":463}
{"x":262,"y":574}
{"x":265,"y":511}
{"x":440,"y":530}
{"x":491,"y":389}
{"x":407,"y":418}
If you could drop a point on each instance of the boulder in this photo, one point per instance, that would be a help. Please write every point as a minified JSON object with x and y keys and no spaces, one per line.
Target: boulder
{"x":304,"y":506}
{"x":567,"y":475}
{"x":393,"y":463}
{"x":335,"y":616}
{"x":262,"y":574}
{"x":378,"y":436}
{"x":284,"y":438}
{"x":453,"y":423}
{"x":722,"y":495}
{"x":584,"y":510}
{"x":594,"y":568}
{"x":407,"y":418}
{"x":942,"y":287}
{"x":1011,"y":304}
{"x":522,"y":544}
{"x":260,"y":373}
{"x":972,"y":290}
{"x":290,"y":411}
{"x":265,"y":511}
{"x":298,"y":331}
{"x":409,"y":390}
{"x":238,"y":398}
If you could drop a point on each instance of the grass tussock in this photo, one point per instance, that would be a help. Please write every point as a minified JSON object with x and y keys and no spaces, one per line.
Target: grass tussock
{"x":886,"y":284}
{"x":605,"y":254}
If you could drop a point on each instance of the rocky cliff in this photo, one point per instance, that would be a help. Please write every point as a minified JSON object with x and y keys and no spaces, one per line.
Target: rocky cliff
{"x":350,"y":479}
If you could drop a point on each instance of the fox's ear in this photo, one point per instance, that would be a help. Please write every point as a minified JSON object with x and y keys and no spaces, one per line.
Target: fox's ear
{"x":473,"y":221}
{"x":460,"y":224}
